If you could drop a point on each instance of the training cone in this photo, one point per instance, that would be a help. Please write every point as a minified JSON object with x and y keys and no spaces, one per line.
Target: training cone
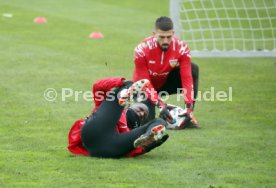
{"x":96,"y":35}
{"x":40,"y":20}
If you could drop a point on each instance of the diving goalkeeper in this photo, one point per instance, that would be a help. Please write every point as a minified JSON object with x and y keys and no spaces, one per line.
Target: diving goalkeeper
{"x":112,"y":132}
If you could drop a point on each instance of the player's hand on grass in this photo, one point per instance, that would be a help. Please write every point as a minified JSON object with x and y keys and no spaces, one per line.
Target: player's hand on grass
{"x":190,"y":120}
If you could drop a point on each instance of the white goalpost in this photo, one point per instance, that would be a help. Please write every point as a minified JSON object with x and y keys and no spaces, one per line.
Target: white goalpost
{"x":226,"y":28}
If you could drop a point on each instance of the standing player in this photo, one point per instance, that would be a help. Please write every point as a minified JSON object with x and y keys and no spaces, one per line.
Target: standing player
{"x":165,"y":61}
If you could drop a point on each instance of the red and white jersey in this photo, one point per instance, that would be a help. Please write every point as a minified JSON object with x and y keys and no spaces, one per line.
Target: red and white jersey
{"x":155,"y":65}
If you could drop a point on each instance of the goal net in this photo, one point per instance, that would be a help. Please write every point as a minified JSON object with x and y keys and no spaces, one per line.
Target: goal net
{"x":226,"y":28}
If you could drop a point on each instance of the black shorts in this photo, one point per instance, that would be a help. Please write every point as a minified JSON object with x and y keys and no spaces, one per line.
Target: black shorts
{"x":172,"y":86}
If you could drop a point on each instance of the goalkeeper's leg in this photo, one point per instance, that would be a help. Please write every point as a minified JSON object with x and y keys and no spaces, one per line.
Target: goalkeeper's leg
{"x":120,"y":144}
{"x":174,"y":81}
{"x":195,"y":75}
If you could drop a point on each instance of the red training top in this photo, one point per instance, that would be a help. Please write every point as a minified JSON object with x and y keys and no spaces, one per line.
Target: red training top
{"x":155,"y":65}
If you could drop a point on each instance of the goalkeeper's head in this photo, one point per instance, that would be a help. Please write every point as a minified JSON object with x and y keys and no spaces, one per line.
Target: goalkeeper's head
{"x":136,"y":114}
{"x":163,"y":32}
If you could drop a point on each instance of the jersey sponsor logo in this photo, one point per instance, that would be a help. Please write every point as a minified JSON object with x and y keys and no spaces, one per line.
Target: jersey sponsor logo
{"x":152,"y":73}
{"x":173,"y":62}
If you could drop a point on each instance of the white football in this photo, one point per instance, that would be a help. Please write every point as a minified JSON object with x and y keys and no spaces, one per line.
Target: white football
{"x":176,"y":119}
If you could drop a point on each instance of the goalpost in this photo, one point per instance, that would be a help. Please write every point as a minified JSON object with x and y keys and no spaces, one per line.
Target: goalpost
{"x":226,"y":28}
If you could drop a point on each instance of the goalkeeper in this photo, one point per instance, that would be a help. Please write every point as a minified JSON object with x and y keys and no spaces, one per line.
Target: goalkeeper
{"x":165,"y":61}
{"x":112,"y":132}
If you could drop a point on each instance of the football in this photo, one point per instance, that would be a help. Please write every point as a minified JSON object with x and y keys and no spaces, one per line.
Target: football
{"x":175,"y":112}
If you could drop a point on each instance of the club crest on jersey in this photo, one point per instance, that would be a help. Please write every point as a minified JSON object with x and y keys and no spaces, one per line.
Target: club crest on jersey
{"x":173,"y":62}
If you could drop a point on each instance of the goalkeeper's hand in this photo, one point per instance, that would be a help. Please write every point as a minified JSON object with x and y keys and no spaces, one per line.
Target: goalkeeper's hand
{"x":190,"y":121}
{"x":153,"y":145}
{"x":165,"y":112}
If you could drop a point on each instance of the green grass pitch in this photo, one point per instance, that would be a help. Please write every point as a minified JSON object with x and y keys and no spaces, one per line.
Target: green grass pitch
{"x":236,"y":146}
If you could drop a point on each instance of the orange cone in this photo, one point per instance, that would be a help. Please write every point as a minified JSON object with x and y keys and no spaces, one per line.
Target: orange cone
{"x":40,"y":20}
{"x":96,"y":35}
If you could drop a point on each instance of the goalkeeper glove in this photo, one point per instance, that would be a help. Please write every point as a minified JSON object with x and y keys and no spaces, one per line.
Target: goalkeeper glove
{"x":164,"y":112}
{"x":189,"y":121}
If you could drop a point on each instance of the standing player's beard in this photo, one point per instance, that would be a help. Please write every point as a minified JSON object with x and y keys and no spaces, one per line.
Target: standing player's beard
{"x":164,"y":48}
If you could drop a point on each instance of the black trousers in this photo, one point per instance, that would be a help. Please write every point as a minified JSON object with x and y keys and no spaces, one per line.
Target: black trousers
{"x":174,"y":82}
{"x":99,"y":133}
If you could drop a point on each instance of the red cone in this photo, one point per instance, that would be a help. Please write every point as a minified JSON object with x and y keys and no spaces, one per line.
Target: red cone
{"x":40,"y":20}
{"x":96,"y":35}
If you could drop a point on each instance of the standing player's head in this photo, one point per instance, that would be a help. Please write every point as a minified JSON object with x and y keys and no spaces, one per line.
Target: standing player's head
{"x":163,"y":32}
